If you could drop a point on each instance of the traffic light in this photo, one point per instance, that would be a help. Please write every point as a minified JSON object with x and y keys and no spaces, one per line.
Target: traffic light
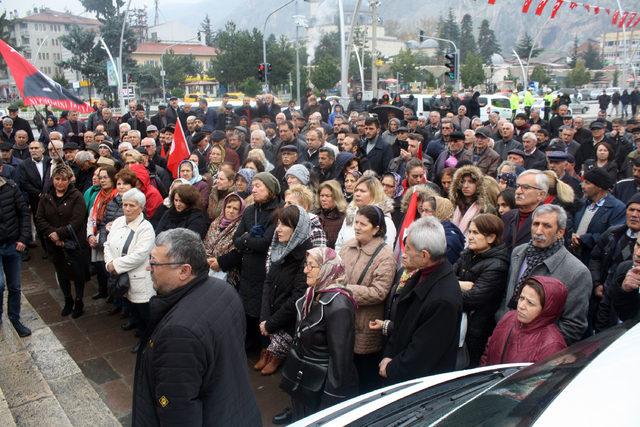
{"x":261,"y":71}
{"x":269,"y":68}
{"x":450,"y":63}
{"x":422,"y":36}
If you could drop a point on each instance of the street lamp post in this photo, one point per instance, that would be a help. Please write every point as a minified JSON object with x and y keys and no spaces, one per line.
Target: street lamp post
{"x":374,"y":57}
{"x":625,"y":50}
{"x":120,"y":83}
{"x":264,"y":43}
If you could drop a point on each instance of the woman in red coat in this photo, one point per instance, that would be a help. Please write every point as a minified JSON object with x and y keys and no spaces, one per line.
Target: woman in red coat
{"x":529,"y":333}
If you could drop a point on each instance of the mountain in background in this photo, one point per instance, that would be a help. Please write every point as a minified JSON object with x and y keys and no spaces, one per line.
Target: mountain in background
{"x":506,"y":18}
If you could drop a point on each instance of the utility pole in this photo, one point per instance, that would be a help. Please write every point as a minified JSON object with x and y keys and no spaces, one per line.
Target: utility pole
{"x":297,"y":59}
{"x":374,"y":68}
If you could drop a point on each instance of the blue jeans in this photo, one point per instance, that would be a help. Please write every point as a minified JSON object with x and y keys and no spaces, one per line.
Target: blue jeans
{"x":11,"y":264}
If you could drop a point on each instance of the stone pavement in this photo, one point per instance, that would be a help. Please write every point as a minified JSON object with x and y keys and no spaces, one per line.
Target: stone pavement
{"x":99,"y":347}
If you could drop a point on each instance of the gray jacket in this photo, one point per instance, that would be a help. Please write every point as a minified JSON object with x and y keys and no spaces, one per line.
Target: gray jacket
{"x":570,"y":271}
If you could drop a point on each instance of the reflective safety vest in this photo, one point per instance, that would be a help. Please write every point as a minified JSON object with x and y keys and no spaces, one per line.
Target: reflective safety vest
{"x":528,"y":99}
{"x":514,"y":101}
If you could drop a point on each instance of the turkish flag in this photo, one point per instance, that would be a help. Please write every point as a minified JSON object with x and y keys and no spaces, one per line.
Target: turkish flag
{"x":35,"y":87}
{"x":624,"y":18}
{"x":526,"y":5}
{"x":541,"y":6}
{"x":556,"y":8}
{"x":409,"y":217}
{"x":179,"y":150}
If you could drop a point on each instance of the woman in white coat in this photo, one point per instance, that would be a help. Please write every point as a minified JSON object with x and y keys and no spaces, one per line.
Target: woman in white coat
{"x":136,"y":260}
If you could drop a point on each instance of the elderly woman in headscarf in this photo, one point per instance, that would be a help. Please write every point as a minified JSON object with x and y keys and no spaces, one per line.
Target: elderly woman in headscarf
{"x":167,"y":202}
{"x":215,"y":161}
{"x":389,"y":135}
{"x":285,"y":283}
{"x":244,"y":184}
{"x":325,"y":328}
{"x":392,"y":186}
{"x":223,"y":259}
{"x":189,"y":170}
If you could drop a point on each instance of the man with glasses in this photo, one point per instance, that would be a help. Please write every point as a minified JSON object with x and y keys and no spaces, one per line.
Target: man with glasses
{"x":193,"y":367}
{"x":531,"y":190}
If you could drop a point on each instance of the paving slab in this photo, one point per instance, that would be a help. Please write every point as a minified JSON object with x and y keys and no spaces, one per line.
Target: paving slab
{"x":81,"y":403}
{"x":6,"y":419}
{"x":21,"y":380}
{"x":45,"y":411}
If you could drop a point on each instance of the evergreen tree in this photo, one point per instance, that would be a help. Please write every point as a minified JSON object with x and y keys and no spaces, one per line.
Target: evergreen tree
{"x":471,"y":72}
{"x":487,"y":42}
{"x":592,"y":58}
{"x":448,"y":29}
{"x":540,"y":75}
{"x":204,"y":31}
{"x":574,"y":53}
{"x":525,"y":46}
{"x":579,"y":75}
{"x":467,"y":40}
{"x":405,"y":64}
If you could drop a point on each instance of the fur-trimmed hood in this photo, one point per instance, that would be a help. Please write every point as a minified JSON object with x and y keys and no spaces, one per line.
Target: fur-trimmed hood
{"x":482,"y":199}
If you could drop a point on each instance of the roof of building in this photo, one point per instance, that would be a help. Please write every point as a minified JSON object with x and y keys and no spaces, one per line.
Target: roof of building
{"x":53,"y":17}
{"x":178,"y":49}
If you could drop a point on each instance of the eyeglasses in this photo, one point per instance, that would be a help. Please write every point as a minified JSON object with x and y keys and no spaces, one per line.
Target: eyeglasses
{"x":310,"y":266}
{"x":527,"y":187}
{"x":153,"y":264}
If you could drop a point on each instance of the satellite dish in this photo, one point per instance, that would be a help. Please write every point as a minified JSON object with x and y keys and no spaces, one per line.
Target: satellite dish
{"x":497,"y":59}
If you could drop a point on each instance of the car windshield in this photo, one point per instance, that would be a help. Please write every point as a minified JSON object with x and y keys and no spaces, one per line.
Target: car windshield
{"x":434,"y":402}
{"x":501,"y":103}
{"x":521,"y":398}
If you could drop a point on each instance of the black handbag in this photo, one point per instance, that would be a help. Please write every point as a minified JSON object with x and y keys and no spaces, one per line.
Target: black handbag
{"x":119,"y":283}
{"x":302,"y":378}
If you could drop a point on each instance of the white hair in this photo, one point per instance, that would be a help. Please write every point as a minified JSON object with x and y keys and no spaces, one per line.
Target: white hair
{"x":541,"y":179}
{"x":428,"y":234}
{"x":135,"y":196}
{"x":124,"y":127}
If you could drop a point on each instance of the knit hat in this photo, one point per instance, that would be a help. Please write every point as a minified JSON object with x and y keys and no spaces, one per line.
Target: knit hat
{"x":270,"y":181}
{"x":634,"y":199}
{"x":599,"y":178}
{"x":300,"y":172}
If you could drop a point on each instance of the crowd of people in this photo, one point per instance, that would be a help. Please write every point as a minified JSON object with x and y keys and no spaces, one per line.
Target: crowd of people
{"x":359,"y":251}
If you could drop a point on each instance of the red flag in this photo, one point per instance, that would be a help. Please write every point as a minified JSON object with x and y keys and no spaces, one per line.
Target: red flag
{"x":587,"y":7}
{"x":624,"y":18}
{"x":492,"y":1}
{"x":636,"y":23}
{"x":179,"y":150}
{"x":541,"y":6}
{"x":526,"y":5}
{"x":596,"y":9}
{"x":608,"y":11}
{"x":409,"y":217}
{"x":36,"y":88}
{"x":556,"y":8}
{"x":573,"y":5}
{"x":631,"y":18}
{"x":614,"y":20}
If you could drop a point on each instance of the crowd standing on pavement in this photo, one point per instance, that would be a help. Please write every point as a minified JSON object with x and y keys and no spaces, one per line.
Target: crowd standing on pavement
{"x":348,"y":250}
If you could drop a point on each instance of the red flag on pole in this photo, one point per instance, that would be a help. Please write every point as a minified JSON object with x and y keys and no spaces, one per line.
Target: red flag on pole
{"x":614,"y":20}
{"x":541,"y":5}
{"x":587,"y":7}
{"x":409,"y":217}
{"x":526,"y":5}
{"x":573,"y":5}
{"x":631,"y":18}
{"x":556,"y":8}
{"x":36,"y":88}
{"x":636,"y":23}
{"x":179,"y":150}
{"x":624,"y":18}
{"x":492,"y":1}
{"x":596,"y":10}
{"x":606,"y":9}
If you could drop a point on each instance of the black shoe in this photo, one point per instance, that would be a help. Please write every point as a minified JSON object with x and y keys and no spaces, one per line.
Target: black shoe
{"x":99,"y":295}
{"x":109,"y":299}
{"x":22,"y":330}
{"x":284,"y":417}
{"x":78,"y":309}
{"x":128,"y":326}
{"x":68,"y":307}
{"x":114,"y":310}
{"x":135,"y":348}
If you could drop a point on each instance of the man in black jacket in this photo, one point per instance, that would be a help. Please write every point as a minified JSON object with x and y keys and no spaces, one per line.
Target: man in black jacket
{"x":378,"y":153}
{"x":426,"y":326}
{"x":15,"y":235}
{"x":192,"y":369}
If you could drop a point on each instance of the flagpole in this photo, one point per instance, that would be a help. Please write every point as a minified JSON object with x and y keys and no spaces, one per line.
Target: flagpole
{"x":119,"y":68}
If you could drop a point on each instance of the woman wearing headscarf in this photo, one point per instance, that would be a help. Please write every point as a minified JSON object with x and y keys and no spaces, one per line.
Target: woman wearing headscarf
{"x":218,"y":242}
{"x":325,"y":332}
{"x":252,"y":240}
{"x":215,"y":161}
{"x":189,"y":170}
{"x":167,"y":202}
{"x":285,"y":283}
{"x":389,"y":135}
{"x":51,"y":125}
{"x":108,"y":192}
{"x":244,"y":184}
{"x":529,"y":333}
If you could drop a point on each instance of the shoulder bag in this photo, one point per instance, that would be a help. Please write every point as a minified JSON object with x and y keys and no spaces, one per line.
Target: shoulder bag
{"x":119,"y":283}
{"x":366,"y":267}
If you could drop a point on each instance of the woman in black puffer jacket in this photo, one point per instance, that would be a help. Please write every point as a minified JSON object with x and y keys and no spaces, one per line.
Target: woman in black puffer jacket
{"x":482,"y":271}
{"x":184,"y":212}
